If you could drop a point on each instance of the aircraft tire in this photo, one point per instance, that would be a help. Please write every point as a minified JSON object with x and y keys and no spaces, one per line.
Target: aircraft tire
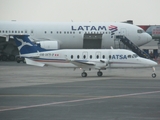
{"x":84,"y":74}
{"x":153,"y":75}
{"x":99,"y":73}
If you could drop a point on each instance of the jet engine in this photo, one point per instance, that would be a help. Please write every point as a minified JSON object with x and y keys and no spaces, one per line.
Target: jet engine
{"x":49,"y":45}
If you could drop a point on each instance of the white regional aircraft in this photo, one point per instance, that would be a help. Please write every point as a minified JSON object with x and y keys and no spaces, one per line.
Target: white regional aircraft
{"x":75,"y":35}
{"x":86,"y":59}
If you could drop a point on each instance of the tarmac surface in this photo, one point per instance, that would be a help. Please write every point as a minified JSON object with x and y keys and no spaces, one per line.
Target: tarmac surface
{"x":48,"y":93}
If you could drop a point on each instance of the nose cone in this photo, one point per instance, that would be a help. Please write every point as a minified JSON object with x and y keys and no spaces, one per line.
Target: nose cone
{"x":149,"y":37}
{"x":154,"y":63}
{"x":151,"y":63}
{"x":145,"y":38}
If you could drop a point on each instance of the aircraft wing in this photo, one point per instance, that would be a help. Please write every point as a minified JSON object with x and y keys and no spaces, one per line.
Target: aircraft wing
{"x":99,"y":64}
{"x":82,"y":63}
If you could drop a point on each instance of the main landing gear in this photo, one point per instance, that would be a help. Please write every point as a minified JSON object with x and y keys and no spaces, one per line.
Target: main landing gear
{"x":99,"y":74}
{"x":84,"y":74}
{"x":153,"y":74}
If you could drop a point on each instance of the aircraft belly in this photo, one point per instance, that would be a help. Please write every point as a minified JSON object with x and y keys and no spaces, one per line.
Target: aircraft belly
{"x":126,"y":65}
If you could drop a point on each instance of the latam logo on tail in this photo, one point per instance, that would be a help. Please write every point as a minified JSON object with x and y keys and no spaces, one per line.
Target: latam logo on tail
{"x":113,"y":29}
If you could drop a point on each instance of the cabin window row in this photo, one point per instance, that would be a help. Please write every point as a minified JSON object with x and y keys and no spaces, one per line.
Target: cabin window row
{"x":70,"y":32}
{"x":13,"y":31}
{"x":90,"y":56}
{"x":60,"y":32}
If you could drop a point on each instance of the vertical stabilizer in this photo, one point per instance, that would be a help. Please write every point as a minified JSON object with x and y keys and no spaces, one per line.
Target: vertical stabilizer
{"x":24,"y":44}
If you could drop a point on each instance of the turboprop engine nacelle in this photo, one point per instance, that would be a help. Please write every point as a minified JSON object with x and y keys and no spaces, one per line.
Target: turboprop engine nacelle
{"x":49,"y":45}
{"x":103,"y":63}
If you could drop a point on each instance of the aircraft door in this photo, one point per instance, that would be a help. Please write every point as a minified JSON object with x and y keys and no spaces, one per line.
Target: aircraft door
{"x":124,"y":32}
{"x":85,"y":55}
{"x":32,"y":32}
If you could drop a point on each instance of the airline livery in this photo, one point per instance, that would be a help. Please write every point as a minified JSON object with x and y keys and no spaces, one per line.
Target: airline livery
{"x":86,"y":59}
{"x":75,"y":35}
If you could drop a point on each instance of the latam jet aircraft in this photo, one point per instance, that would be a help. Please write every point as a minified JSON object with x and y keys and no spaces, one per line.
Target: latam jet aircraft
{"x":86,"y":59}
{"x":75,"y":35}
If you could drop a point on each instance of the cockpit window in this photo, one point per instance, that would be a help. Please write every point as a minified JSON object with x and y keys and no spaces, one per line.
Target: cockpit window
{"x":134,"y":56}
{"x":140,"y":31}
{"x":129,"y":56}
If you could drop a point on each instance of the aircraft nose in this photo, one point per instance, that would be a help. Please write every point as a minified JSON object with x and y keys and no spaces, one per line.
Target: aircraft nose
{"x":149,"y":37}
{"x":152,"y":63}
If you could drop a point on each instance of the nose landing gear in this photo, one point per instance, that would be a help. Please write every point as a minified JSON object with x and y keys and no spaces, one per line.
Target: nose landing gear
{"x":153,"y":74}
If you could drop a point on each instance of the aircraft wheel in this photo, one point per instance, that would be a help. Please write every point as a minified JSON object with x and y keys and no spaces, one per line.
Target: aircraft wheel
{"x":99,"y":73}
{"x":84,"y":74}
{"x":154,"y":75}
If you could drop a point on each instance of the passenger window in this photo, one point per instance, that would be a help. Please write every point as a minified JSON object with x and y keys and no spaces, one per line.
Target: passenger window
{"x":78,"y":56}
{"x":6,"y":31}
{"x":90,"y":56}
{"x":97,"y":56}
{"x":109,"y":56}
{"x":103,"y":56}
{"x":21,"y":31}
{"x":71,"y":56}
{"x":84,"y":56}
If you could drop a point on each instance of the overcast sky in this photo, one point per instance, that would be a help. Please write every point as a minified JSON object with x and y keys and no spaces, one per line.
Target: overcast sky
{"x":142,"y":12}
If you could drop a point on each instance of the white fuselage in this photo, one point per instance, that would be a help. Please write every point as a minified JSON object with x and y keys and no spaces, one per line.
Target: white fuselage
{"x":112,"y":58}
{"x":72,"y":35}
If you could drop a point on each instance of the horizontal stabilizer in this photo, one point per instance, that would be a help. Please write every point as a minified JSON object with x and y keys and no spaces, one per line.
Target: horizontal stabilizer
{"x":30,"y":55}
{"x":31,"y":62}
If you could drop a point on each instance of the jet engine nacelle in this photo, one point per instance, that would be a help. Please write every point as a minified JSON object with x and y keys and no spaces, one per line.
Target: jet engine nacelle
{"x":49,"y":45}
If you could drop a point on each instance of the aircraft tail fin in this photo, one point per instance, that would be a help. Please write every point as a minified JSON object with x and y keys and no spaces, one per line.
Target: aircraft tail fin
{"x":25,"y":45}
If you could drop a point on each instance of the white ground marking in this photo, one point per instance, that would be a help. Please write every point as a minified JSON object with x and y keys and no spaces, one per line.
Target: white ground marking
{"x":79,"y":100}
